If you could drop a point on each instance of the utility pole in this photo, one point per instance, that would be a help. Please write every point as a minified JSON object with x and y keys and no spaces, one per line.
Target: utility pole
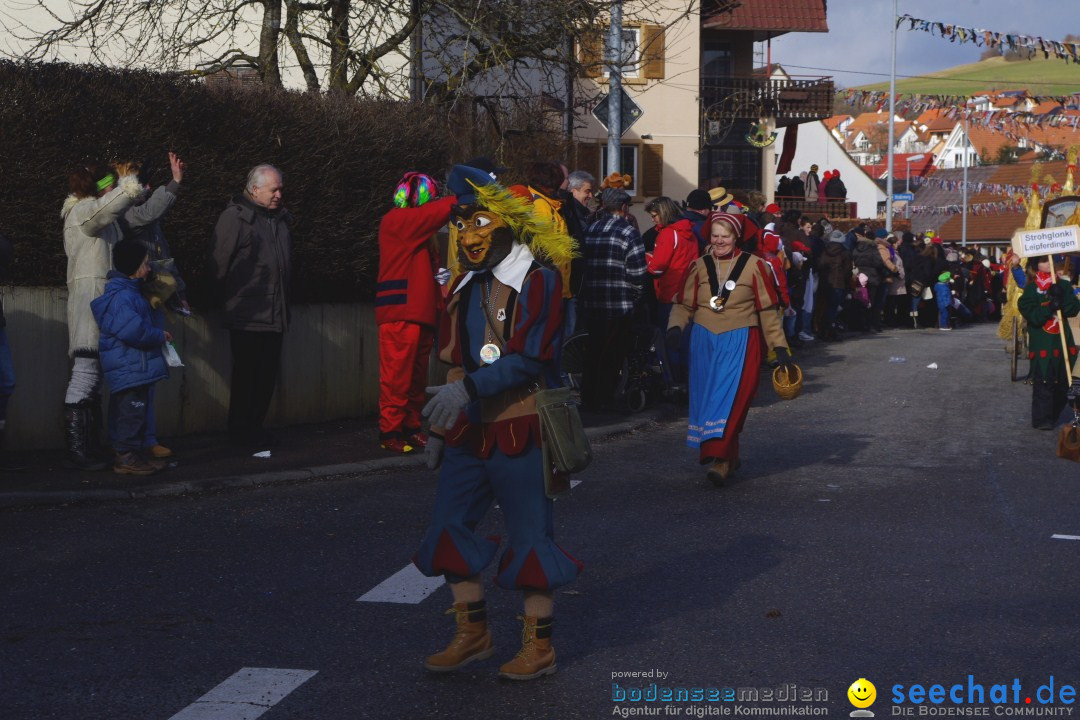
{"x":892,"y":127}
{"x":615,"y":57}
{"x":967,"y":142}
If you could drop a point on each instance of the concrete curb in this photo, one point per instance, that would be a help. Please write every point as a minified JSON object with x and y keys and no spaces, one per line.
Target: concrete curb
{"x":276,"y":477}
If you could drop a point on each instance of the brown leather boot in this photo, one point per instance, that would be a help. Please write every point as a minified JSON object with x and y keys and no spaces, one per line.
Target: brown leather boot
{"x":472,"y":641}
{"x":721,"y":470}
{"x":536,"y":656}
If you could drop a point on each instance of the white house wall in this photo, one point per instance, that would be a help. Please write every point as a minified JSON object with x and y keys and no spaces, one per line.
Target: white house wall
{"x":670,"y":109}
{"x":817,"y":146}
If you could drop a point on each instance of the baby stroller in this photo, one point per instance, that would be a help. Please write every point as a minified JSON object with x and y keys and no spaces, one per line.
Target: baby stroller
{"x":646,"y":375}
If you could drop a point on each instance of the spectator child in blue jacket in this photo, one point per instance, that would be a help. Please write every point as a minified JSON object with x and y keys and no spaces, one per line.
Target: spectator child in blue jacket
{"x":131,"y":355}
{"x":943,"y":297}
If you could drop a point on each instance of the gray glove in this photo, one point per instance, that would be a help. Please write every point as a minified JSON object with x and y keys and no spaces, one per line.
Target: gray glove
{"x":433,"y":452}
{"x":446,"y":404}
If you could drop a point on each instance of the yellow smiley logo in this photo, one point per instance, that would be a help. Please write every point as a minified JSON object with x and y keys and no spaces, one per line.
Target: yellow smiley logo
{"x":862,"y":693}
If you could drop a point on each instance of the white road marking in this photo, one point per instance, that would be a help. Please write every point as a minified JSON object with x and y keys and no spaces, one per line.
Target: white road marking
{"x":1065,"y":537}
{"x":406,"y":586}
{"x":246,"y":695}
{"x":574,"y":484}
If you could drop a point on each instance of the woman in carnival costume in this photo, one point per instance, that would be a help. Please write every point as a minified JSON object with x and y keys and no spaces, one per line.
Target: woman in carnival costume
{"x":501,"y":333}
{"x":732,"y":299}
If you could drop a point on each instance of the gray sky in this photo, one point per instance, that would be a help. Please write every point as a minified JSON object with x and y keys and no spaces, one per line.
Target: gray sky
{"x":858,"y":37}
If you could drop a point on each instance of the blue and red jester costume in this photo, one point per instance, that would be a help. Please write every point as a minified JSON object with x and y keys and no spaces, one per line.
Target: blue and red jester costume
{"x":407,"y":307}
{"x":501,"y":332}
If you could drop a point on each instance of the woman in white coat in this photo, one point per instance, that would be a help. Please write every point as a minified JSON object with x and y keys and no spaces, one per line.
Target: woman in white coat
{"x":99,"y":196}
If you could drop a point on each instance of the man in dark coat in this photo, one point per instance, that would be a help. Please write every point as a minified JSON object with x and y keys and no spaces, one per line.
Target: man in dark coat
{"x":251,"y":264}
{"x":698,"y":207}
{"x":834,"y":268}
{"x":836,"y":190}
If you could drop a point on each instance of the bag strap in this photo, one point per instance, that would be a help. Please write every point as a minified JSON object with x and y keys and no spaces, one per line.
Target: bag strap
{"x":714,"y":281}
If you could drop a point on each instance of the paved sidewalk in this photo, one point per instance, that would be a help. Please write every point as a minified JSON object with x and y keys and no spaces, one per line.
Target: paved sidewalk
{"x":207,"y":462}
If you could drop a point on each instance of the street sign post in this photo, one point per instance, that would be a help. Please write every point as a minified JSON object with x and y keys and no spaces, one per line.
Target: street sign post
{"x":631,"y":111}
{"x":905,"y":196}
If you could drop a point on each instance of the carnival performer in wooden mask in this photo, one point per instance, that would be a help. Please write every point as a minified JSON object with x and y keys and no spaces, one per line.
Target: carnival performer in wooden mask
{"x":501,"y":332}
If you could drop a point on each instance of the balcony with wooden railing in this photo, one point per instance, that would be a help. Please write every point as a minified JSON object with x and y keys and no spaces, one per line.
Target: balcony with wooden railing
{"x":791,"y":100}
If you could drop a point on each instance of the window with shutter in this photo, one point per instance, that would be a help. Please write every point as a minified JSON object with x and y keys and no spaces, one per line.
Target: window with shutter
{"x":591,"y":53}
{"x":588,"y":159}
{"x":652,"y":51}
{"x":652,"y":170}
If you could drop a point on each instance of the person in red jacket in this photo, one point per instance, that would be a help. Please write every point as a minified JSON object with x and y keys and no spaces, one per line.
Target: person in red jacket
{"x":407,"y":306}
{"x":770,"y":249}
{"x":676,"y":250}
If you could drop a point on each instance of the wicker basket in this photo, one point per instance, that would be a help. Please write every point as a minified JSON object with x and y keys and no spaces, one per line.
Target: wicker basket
{"x":787,"y":385}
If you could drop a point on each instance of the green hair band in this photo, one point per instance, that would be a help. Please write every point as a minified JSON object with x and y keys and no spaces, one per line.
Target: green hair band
{"x":105,"y":182}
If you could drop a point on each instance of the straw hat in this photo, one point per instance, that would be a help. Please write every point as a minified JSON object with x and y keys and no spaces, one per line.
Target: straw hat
{"x":720,"y":196}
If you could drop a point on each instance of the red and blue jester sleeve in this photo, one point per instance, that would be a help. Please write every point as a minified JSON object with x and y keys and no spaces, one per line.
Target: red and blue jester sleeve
{"x":536,"y":339}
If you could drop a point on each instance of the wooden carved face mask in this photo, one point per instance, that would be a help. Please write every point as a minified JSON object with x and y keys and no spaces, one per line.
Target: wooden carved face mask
{"x":485,"y":239}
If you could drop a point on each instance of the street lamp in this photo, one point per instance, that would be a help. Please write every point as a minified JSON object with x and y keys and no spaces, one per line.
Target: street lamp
{"x":909,"y":160}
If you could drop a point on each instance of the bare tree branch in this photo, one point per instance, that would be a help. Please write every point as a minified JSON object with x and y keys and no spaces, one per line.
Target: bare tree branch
{"x":510,"y":48}
{"x":296,"y":42}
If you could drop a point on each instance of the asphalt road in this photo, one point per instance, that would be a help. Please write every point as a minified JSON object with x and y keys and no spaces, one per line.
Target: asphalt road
{"x":893,"y":523}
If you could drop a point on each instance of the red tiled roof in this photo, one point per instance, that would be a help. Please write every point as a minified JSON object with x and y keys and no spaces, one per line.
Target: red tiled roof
{"x":987,"y":142}
{"x":941,"y":125}
{"x":995,"y":226}
{"x":1056,"y":137}
{"x":868,"y":129}
{"x":1045,"y":107}
{"x":929,"y":116}
{"x":770,"y":16}
{"x":831,"y":122}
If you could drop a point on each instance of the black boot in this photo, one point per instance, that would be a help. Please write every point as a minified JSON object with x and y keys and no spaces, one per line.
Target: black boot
{"x":95,"y":428}
{"x":1042,"y":405}
{"x":76,"y":431}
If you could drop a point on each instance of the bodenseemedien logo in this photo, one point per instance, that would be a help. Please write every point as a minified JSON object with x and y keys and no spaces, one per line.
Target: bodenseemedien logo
{"x":862,"y":694}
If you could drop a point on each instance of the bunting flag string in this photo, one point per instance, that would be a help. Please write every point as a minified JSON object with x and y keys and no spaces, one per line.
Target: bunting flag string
{"x":974,"y":188}
{"x":956,"y":107}
{"x":1004,"y":42}
{"x":1013,"y":124}
{"x":995,"y":208}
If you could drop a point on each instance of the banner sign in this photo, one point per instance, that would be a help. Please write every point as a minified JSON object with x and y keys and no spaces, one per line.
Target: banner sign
{"x":1051,"y":241}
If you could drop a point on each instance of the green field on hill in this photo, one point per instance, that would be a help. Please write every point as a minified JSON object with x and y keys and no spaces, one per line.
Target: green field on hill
{"x":1038,"y":77}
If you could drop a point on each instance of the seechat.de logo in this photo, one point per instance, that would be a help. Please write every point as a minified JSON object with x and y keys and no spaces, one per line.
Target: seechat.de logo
{"x":862,"y":695}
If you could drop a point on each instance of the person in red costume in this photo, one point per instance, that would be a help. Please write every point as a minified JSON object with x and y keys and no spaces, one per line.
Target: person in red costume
{"x":771,"y":251}
{"x":676,"y":249}
{"x":407,"y":305}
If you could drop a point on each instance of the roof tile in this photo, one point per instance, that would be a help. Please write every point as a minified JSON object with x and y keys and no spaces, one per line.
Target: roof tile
{"x":788,"y":16}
